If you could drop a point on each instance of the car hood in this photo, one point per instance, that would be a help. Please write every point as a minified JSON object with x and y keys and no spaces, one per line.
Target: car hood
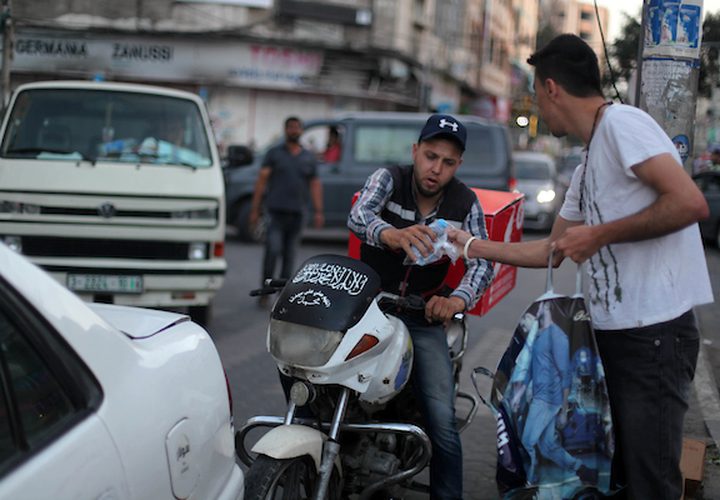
{"x":111,"y":179}
{"x":138,"y":323}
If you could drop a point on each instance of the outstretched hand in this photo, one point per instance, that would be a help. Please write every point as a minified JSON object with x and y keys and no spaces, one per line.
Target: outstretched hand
{"x":458,"y":237}
{"x":419,"y":236}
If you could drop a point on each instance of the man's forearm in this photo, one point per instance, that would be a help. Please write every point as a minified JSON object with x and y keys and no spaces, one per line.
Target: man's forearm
{"x":661,"y":218}
{"x":316,"y":194}
{"x":259,"y":191}
{"x":523,"y":254}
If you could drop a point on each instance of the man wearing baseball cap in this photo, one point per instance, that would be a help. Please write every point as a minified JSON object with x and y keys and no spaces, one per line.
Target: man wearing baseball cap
{"x":391,"y":218}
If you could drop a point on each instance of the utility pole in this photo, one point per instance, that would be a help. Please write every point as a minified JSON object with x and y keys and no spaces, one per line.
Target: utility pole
{"x":6,"y":26}
{"x":669,"y":69}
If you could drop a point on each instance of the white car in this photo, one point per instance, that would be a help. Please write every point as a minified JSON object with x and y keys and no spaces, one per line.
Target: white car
{"x":536,"y":175}
{"x":102,"y":402}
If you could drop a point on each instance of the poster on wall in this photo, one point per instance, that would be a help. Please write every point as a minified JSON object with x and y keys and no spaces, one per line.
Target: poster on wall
{"x":673,"y":29}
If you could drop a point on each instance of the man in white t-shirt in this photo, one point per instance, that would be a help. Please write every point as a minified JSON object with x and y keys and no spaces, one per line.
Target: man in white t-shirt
{"x":630,"y":215}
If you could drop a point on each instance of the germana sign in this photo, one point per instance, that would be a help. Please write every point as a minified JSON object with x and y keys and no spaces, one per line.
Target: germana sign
{"x":165,"y":58}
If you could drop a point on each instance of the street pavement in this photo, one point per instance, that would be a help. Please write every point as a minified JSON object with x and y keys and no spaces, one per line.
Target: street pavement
{"x":239,"y":327}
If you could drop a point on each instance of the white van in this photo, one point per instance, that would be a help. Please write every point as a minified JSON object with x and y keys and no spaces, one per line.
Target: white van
{"x":116,"y":190}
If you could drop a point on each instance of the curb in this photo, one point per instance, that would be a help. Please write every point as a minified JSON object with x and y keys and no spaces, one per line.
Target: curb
{"x":707,"y":394}
{"x":706,"y":387}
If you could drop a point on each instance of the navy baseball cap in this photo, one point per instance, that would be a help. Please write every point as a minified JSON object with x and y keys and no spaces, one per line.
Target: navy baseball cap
{"x":444,"y":126}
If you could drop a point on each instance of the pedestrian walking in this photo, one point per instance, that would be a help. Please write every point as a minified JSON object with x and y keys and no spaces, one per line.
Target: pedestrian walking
{"x":631,"y":215}
{"x":287,"y":175}
{"x":392,"y":217}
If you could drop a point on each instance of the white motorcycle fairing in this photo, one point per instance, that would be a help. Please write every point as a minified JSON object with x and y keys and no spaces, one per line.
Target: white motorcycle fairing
{"x":327,"y":328}
{"x":376,"y":374}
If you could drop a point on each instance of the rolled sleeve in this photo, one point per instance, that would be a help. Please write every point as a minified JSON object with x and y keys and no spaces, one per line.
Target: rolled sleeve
{"x":478,"y":272}
{"x":364,"y":219}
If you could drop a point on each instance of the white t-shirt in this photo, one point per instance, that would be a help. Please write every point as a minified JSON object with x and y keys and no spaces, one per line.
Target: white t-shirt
{"x":638,"y":283}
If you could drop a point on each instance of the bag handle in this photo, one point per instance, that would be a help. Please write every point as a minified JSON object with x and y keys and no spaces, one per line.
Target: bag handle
{"x":473,"y":376}
{"x":549,"y":288}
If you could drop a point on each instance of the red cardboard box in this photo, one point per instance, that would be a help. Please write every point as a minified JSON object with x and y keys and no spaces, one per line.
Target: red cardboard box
{"x":503,"y":221}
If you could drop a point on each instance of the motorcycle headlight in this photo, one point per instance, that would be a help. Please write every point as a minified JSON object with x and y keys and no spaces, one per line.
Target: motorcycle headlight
{"x":302,"y":345}
{"x":546,"y":196}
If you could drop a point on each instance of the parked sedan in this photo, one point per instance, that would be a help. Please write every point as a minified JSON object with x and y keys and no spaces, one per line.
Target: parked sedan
{"x":107,"y":402}
{"x":536,"y":175}
{"x":709,"y":184}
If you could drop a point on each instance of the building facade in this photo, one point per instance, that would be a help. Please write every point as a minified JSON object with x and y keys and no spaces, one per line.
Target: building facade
{"x":579,"y":17}
{"x":257,"y":61}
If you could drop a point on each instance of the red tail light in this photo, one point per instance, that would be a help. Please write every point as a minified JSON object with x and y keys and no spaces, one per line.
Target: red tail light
{"x":512,"y":184}
{"x":219,"y":249}
{"x":366,"y":343}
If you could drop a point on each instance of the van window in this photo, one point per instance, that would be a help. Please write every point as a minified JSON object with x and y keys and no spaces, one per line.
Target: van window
{"x":77,"y":124}
{"x":484,"y":148}
{"x":385,"y":144}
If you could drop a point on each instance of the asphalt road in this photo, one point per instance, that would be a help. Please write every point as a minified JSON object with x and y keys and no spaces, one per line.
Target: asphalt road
{"x":239,"y":328}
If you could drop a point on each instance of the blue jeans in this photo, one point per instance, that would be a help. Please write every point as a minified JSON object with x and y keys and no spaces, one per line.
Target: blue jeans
{"x":434,"y":389}
{"x":281,"y":240}
{"x":649,"y":371}
{"x":540,"y":430}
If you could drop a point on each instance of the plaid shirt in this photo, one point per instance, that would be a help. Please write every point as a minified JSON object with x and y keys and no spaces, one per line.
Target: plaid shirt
{"x":366,"y":223}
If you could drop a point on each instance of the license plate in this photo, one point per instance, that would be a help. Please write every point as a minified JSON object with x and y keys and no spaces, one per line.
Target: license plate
{"x":105,"y":283}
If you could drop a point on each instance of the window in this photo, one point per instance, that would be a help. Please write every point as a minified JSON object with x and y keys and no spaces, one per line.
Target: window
{"x":483,"y":149}
{"x":7,"y":444}
{"x":40,"y":401}
{"x":388,"y":144}
{"x":124,"y":127}
{"x":586,"y":15}
{"x":532,"y":170}
{"x":44,"y":387}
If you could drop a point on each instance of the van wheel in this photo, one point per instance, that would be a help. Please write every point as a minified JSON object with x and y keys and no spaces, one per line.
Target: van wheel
{"x":242,"y":224}
{"x":200,"y":314}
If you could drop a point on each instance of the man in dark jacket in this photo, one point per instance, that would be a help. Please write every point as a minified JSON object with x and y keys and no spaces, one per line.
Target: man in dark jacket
{"x":287,"y":176}
{"x":391,"y":217}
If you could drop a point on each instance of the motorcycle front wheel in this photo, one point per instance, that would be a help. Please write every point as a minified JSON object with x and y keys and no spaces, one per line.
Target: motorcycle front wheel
{"x":292,"y":479}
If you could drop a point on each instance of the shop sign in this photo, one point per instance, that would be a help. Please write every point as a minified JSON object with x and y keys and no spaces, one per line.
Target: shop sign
{"x":165,"y":59}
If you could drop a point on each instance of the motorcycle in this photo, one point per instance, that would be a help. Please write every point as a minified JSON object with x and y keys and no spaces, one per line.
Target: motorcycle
{"x":351,"y":428}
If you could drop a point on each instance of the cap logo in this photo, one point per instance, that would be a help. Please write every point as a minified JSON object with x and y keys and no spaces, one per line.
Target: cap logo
{"x":444,"y":123}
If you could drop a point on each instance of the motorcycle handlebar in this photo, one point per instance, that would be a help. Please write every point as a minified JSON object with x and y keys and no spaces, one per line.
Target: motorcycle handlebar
{"x":407,"y":303}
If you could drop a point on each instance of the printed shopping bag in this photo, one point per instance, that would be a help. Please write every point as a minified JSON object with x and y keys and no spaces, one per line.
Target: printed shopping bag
{"x":555,"y":438}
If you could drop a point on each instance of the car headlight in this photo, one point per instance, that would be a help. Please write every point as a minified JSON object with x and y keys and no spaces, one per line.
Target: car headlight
{"x":302,"y":345}
{"x":15,"y":207}
{"x":546,"y":196}
{"x":205,"y":213}
{"x":198,"y":251}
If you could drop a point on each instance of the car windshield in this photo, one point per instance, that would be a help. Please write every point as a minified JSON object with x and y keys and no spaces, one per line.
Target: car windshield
{"x":102,"y":125}
{"x":532,"y":170}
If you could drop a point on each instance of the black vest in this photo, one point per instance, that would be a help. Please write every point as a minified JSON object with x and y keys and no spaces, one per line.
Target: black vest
{"x":400,"y":211}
